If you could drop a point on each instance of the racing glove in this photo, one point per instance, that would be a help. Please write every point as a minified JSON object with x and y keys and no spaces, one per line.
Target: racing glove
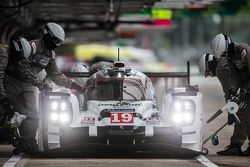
{"x":45,"y":87}
{"x":16,"y":120}
{"x":77,"y":87}
{"x":230,"y":119}
{"x":9,"y":109}
{"x":233,"y":91}
{"x":232,"y":95}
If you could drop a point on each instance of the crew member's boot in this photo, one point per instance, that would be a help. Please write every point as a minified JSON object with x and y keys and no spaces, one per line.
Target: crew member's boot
{"x":231,"y":150}
{"x":246,"y":152}
{"x":30,"y":147}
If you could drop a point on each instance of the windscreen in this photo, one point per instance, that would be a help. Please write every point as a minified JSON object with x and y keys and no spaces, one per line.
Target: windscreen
{"x":128,"y":89}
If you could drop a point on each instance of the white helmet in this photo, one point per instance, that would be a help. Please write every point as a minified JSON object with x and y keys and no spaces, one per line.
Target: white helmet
{"x":207,"y":65}
{"x":220,"y":45}
{"x":80,"y":68}
{"x":20,"y":48}
{"x":53,"y":34}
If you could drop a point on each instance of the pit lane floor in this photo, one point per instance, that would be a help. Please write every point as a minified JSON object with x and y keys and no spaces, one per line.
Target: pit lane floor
{"x":213,"y":100}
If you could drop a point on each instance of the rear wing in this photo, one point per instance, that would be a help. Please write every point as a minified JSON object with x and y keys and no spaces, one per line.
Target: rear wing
{"x":149,"y":74}
{"x":171,"y":74}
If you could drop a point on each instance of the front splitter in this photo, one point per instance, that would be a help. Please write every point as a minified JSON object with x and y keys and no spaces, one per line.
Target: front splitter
{"x":125,"y":151}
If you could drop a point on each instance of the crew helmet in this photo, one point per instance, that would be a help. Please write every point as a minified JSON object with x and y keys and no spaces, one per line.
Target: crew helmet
{"x":221,"y":45}
{"x":207,"y":65}
{"x":80,"y":68}
{"x":53,"y":35}
{"x":20,"y":48}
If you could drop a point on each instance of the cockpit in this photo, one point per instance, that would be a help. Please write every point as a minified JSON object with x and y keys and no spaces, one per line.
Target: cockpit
{"x":132,"y":86}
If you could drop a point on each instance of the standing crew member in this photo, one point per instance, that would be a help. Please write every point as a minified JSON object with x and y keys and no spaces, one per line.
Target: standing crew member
{"x":238,"y":56}
{"x":11,"y":118}
{"x":21,"y":77}
{"x":210,"y":66}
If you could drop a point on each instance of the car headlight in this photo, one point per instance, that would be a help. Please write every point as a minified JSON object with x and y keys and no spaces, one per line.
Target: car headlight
{"x":54,"y":116}
{"x":182,"y":112}
{"x":54,"y":105}
{"x":60,"y":112}
{"x":64,"y":117}
{"x":63,"y":106}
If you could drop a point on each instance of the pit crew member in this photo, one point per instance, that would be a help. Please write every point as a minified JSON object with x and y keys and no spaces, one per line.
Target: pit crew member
{"x":211,"y":66}
{"x":21,"y":79}
{"x":238,"y":55}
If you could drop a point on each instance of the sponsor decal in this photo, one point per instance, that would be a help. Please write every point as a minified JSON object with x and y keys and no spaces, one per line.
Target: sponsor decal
{"x":121,"y":117}
{"x":54,"y":133}
{"x":119,"y":110}
{"x":189,"y":133}
{"x":120,"y":104}
{"x":88,"y":121}
{"x":153,"y":120}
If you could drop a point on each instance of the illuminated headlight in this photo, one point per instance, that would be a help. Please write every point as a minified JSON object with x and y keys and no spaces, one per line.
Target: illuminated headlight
{"x":59,"y":105}
{"x":182,"y":112}
{"x":54,"y":105}
{"x":63,"y":106}
{"x":54,"y":116}
{"x":60,"y":112}
{"x":64,"y":117}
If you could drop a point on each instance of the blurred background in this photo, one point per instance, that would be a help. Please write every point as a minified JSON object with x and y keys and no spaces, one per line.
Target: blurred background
{"x":153,"y":35}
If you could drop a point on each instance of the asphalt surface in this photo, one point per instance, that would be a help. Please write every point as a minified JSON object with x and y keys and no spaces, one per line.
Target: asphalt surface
{"x":213,"y":100}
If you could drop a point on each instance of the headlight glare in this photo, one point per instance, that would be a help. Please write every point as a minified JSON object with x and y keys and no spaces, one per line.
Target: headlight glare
{"x":54,"y":116}
{"x":177,"y":106}
{"x":187,"y":105}
{"x":64,"y":118}
{"x":177,"y":118}
{"x":60,"y":112}
{"x":188,"y":117}
{"x":63,"y":106}
{"x":182,"y":112}
{"x":54,"y":105}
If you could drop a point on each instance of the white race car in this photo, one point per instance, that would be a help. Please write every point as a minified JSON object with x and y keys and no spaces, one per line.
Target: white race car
{"x":118,"y":110}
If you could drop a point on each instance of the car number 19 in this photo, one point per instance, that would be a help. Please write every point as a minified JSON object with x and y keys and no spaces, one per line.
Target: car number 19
{"x":121,"y":117}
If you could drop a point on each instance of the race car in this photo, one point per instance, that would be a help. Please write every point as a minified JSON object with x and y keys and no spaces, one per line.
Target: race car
{"x":119,"y":110}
